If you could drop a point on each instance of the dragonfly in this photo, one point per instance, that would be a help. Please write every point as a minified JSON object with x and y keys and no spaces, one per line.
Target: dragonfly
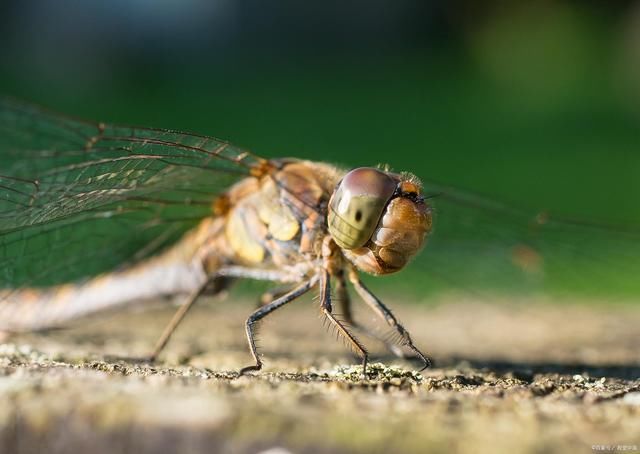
{"x":96,"y":217}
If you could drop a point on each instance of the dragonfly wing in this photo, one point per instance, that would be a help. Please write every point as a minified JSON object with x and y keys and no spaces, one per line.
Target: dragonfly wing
{"x":485,"y":247}
{"x":80,"y":198}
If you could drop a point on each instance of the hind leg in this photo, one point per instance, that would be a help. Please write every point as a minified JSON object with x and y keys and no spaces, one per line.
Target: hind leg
{"x":273,"y":294}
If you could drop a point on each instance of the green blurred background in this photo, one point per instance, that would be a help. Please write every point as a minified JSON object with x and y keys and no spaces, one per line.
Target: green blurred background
{"x":532,"y":103}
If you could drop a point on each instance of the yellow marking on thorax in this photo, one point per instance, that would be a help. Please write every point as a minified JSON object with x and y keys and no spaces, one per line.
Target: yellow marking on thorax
{"x":281,"y":223}
{"x":243,"y":230}
{"x":257,"y":214}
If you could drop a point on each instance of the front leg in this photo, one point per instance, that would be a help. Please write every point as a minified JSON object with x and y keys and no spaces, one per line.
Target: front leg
{"x":382,"y":311}
{"x":347,"y":315}
{"x":325,"y":306}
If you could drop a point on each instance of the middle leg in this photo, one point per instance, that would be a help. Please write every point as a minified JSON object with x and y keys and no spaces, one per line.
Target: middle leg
{"x":266,"y":310}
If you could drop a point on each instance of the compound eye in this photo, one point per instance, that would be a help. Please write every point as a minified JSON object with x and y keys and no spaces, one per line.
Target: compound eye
{"x":357,"y":205}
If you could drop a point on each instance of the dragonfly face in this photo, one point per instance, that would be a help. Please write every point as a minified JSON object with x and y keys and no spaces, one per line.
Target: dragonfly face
{"x":379,"y":219}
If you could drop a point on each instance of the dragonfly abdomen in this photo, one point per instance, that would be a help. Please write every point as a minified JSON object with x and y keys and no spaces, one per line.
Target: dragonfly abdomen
{"x":177,"y":271}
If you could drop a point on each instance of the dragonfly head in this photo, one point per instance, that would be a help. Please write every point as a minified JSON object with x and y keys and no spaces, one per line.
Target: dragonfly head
{"x":379,"y":219}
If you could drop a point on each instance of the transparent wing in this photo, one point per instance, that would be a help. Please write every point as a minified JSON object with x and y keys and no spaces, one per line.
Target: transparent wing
{"x":484,"y":247}
{"x":79,"y":198}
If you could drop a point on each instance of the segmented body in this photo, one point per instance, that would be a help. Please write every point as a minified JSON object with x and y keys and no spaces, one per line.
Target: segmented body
{"x":299,"y":222}
{"x":95,"y":216}
{"x":271,"y":223}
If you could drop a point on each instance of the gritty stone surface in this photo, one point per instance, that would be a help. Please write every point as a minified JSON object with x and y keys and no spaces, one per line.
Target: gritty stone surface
{"x":507,"y":378}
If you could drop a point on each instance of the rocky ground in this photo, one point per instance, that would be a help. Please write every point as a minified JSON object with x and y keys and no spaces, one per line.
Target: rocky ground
{"x":517,"y":377}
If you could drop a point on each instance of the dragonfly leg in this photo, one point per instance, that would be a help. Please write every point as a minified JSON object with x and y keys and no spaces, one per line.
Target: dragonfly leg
{"x":175,"y":321}
{"x":342,"y":295}
{"x":263,"y":312}
{"x":382,"y":311}
{"x":326,"y":307}
{"x":347,"y":315}
{"x":271,"y":294}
